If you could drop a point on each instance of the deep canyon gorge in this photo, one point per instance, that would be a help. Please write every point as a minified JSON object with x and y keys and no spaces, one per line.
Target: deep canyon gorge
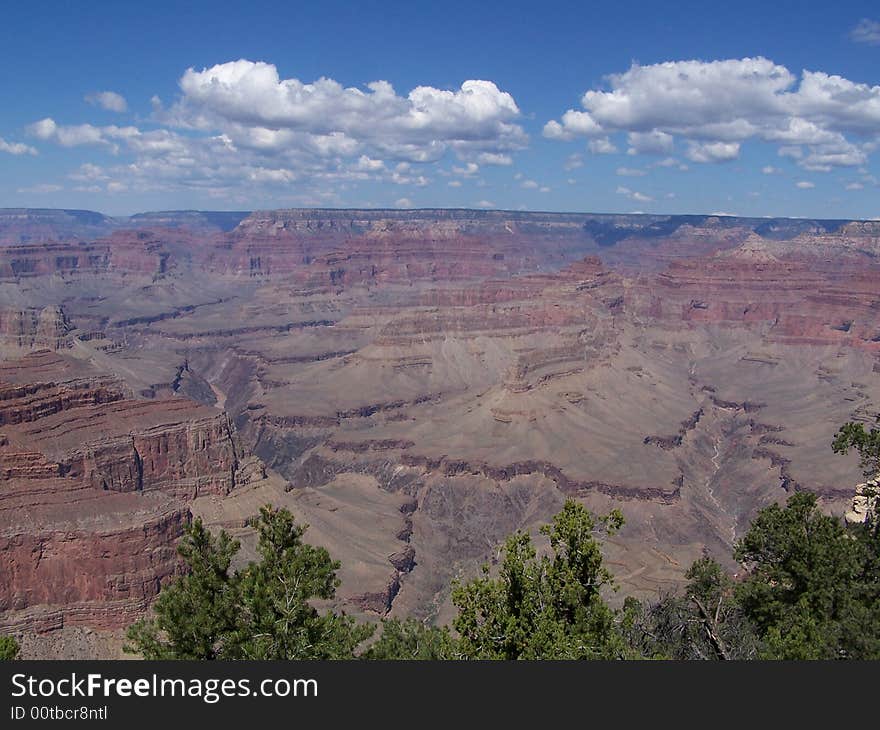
{"x":414,"y":385}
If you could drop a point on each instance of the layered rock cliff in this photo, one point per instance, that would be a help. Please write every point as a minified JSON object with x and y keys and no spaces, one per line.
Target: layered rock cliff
{"x":33,"y":328}
{"x":94,"y":488}
{"x":419,"y":384}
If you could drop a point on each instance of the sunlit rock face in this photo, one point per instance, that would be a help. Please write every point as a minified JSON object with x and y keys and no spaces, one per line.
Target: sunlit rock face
{"x":864,"y":503}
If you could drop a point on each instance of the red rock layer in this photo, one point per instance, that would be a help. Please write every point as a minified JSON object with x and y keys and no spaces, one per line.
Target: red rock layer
{"x":93,"y":492}
{"x":803,"y":299}
{"x":132,"y":252}
{"x":104,"y":576}
{"x":34,"y":328}
{"x":340,"y":248}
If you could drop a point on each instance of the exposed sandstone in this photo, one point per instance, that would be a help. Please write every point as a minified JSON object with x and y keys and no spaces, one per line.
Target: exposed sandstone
{"x":33,"y":328}
{"x":104,"y":577}
{"x":864,"y":503}
{"x":93,"y":493}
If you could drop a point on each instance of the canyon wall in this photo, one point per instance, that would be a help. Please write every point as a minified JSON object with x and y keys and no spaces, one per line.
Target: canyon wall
{"x":94,"y":488}
{"x":415,"y":385}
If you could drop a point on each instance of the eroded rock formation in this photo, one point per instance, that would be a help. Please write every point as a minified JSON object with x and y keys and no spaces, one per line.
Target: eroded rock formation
{"x":415,"y":385}
{"x":94,"y":488}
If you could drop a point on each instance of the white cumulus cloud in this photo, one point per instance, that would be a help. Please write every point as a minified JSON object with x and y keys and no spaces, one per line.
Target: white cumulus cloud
{"x":81,"y":134}
{"x":712,"y":151}
{"x":866,"y":31}
{"x":16,"y":148}
{"x":649,"y":143}
{"x":574,"y":161}
{"x":494,"y":158}
{"x":241,"y":97}
{"x":468,"y":170}
{"x":109,"y":100}
{"x":601,"y":146}
{"x":240,"y":122}
{"x":715,"y":106}
{"x":671,"y":162}
{"x":634,"y":194}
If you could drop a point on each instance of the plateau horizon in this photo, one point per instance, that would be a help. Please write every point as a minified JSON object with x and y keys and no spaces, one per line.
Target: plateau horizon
{"x":404,"y":212}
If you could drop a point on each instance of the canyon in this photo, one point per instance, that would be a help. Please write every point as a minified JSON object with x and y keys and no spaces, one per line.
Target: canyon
{"x":414,"y":385}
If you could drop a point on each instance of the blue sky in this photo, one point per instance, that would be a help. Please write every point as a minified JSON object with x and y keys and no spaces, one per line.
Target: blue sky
{"x":745,"y":108}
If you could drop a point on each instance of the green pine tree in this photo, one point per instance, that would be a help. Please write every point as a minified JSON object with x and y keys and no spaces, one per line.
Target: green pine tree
{"x":705,"y":621}
{"x":195,"y":613}
{"x":8,"y":648}
{"x":411,"y":639}
{"x":544,"y":608}
{"x":276,"y":617}
{"x":813,"y":588}
{"x":264,"y":611}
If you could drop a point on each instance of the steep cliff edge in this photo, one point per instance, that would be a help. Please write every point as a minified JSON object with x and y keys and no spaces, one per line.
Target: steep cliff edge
{"x":33,"y":329}
{"x":94,"y":488}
